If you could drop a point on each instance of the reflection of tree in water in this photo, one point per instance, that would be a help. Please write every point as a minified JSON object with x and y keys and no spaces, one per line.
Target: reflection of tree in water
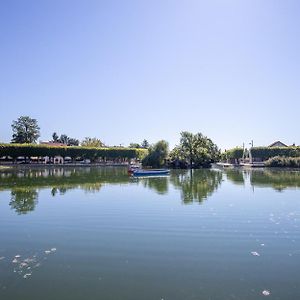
{"x":159,"y":184}
{"x":277,"y":179}
{"x":235,"y":175}
{"x":23,"y":200}
{"x":196,"y":185}
{"x":87,"y":187}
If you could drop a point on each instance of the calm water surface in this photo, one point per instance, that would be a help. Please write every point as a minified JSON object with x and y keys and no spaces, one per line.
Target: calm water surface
{"x":95,"y":233}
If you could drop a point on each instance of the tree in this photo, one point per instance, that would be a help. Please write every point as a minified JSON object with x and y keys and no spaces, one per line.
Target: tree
{"x":72,"y":142}
{"x":92,"y":142}
{"x":195,"y":149}
{"x":25,"y":130}
{"x":157,"y":154}
{"x":134,"y":145}
{"x":55,"y":137}
{"x":145,"y":144}
{"x":64,"y":139}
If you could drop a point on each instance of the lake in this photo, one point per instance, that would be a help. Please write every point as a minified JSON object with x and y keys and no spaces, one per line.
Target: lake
{"x":96,"y":233}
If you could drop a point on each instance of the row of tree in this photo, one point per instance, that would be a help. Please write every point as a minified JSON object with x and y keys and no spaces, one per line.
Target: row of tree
{"x":27,"y":131}
{"x":194,"y":150}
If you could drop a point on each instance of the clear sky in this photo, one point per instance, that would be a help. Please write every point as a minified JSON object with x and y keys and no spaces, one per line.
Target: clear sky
{"x":127,"y":70}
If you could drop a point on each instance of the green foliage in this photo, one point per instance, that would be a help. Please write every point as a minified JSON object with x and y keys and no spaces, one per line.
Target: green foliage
{"x":234,"y":153}
{"x":92,"y":142}
{"x":25,"y":130}
{"x":145,"y":144}
{"x":134,"y":145}
{"x":196,"y":150}
{"x":267,"y":152}
{"x":64,"y":139}
{"x":157,"y":154}
{"x":32,"y":150}
{"x":283,"y":162}
{"x":55,"y":137}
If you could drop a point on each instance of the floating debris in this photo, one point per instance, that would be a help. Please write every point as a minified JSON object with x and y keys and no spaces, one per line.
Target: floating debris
{"x":23,"y":265}
{"x":53,"y":249}
{"x":254,"y":253}
{"x":27,"y":275}
{"x":266,"y":293}
{"x":15,"y":261}
{"x":262,"y":245}
{"x":29,"y":260}
{"x":47,"y":251}
{"x":36,"y":265}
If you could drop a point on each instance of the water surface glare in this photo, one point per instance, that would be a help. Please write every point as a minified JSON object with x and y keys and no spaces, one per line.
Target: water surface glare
{"x":95,"y":233}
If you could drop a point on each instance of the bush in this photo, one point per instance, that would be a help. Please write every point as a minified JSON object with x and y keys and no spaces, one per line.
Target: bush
{"x":283,"y":162}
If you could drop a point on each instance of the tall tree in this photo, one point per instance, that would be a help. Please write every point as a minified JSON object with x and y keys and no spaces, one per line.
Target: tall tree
{"x":25,"y":130}
{"x":145,"y":144}
{"x":92,"y":142}
{"x":55,"y":137}
{"x":195,"y":149}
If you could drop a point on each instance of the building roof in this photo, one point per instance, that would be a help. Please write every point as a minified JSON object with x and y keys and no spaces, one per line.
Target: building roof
{"x":278,"y":144}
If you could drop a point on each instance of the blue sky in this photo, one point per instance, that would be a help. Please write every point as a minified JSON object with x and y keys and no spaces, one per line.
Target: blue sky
{"x":128,"y":70}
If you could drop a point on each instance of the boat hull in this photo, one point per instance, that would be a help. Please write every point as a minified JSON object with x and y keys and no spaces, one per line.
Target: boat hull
{"x":150,"y":172}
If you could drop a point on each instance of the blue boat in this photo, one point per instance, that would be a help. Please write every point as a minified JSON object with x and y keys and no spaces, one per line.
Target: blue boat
{"x":150,"y":172}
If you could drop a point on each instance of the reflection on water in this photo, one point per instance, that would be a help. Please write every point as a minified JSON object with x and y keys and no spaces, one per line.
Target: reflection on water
{"x":194,"y":186}
{"x":100,"y":234}
{"x":158,"y":184}
{"x":277,"y":179}
{"x":23,"y":200}
{"x":236,"y":176}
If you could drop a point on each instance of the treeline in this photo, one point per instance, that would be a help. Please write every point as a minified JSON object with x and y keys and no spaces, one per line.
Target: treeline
{"x":74,"y":152}
{"x":263,"y":152}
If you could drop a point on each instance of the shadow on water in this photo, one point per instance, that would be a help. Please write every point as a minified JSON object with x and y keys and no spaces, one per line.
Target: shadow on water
{"x":194,"y":186}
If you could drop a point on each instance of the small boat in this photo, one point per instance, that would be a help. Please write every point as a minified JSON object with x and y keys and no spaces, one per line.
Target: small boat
{"x":150,"y":172}
{"x":133,"y":168}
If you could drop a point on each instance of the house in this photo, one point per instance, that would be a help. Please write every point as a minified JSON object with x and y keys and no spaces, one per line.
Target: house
{"x":277,"y":144}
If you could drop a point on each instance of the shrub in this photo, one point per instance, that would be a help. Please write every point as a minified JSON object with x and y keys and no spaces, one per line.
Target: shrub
{"x":283,"y":162}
